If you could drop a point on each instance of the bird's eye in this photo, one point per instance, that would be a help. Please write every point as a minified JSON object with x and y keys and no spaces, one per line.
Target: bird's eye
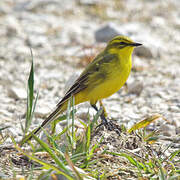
{"x":123,"y":43}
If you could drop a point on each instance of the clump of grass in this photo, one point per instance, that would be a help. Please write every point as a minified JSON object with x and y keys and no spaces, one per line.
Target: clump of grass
{"x":81,"y":151}
{"x":71,"y":157}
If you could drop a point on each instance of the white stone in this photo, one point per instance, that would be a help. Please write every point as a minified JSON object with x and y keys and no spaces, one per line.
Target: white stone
{"x":17,"y":93}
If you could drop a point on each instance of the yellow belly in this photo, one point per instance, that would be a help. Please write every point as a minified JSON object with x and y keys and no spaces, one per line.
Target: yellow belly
{"x":107,"y":88}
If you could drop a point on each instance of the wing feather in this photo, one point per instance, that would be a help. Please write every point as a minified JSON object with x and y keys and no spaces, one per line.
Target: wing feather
{"x":82,"y":82}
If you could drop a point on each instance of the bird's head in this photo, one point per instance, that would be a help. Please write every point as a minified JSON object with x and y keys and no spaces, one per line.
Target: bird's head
{"x":121,"y":44}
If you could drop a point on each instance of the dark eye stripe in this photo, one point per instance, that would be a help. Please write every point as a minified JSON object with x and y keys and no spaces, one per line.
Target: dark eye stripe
{"x":123,"y":43}
{"x":119,"y":45}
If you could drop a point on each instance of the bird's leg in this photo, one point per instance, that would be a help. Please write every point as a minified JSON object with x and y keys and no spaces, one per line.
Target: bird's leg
{"x":104,"y":110}
{"x":108,"y":124}
{"x":126,"y":87}
{"x":102,"y":116}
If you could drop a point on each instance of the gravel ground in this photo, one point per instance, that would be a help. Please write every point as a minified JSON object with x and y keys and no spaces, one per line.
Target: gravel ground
{"x":62,"y":33}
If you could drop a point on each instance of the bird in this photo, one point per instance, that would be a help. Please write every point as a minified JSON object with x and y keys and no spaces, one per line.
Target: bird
{"x":102,"y":77}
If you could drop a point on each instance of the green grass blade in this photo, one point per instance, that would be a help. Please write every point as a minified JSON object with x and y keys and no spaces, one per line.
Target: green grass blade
{"x":73,"y":167}
{"x":3,"y":128}
{"x":88,"y":138}
{"x":30,"y":95}
{"x":95,"y":118}
{"x":175,"y":177}
{"x":72,"y":115}
{"x":61,"y":133}
{"x":129,"y":158}
{"x":27,"y":137}
{"x":34,"y":105}
{"x":53,"y":124}
{"x":144,"y":123}
{"x":52,"y":154}
{"x":46,"y":165}
{"x":96,"y":146}
{"x":162,"y":175}
{"x":174,"y":154}
{"x":78,"y":157}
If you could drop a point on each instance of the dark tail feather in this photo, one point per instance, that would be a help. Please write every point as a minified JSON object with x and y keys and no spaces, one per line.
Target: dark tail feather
{"x":49,"y":119}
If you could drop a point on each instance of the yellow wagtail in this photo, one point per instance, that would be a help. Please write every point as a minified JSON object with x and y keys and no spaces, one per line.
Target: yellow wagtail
{"x":104,"y":76}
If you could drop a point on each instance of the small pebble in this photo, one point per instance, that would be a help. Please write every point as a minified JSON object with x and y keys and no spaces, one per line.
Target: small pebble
{"x":107,"y":32}
{"x":143,"y":51}
{"x":17,"y":93}
{"x":168,"y":130}
{"x":135,"y":88}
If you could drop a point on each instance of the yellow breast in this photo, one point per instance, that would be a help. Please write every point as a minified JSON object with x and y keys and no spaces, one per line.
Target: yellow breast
{"x":117,"y":76}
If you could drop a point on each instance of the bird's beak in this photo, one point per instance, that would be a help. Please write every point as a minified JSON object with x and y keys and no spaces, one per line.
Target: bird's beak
{"x":135,"y":44}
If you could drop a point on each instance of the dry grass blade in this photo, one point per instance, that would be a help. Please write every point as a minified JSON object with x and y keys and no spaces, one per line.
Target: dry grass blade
{"x":59,"y":169}
{"x":144,"y":122}
{"x":73,"y":167}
